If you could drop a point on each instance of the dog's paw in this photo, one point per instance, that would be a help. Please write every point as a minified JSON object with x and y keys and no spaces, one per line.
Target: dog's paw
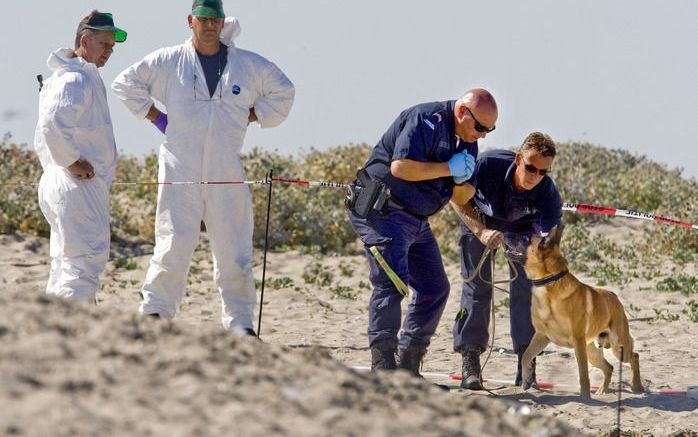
{"x":637,"y":388}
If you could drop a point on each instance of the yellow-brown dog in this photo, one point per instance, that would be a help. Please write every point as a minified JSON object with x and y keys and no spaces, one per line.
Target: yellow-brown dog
{"x":572,"y":314}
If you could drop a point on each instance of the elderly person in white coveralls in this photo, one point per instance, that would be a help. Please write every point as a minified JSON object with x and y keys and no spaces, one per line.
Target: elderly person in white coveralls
{"x":211,"y":91}
{"x":75,"y":143}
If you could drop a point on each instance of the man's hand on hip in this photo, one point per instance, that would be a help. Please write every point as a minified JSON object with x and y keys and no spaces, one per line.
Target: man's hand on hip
{"x":157,"y":117}
{"x":81,"y":169}
{"x":252,"y":117}
{"x":160,"y":122}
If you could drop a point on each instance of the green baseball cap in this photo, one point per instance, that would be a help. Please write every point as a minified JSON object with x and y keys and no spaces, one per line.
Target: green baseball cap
{"x":102,"y":21}
{"x":208,"y":8}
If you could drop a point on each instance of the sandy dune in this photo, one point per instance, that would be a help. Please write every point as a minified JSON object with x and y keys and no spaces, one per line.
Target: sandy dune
{"x":101,"y":370}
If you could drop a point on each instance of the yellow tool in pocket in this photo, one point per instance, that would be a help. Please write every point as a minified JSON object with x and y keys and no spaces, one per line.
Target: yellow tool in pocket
{"x":399,"y":284}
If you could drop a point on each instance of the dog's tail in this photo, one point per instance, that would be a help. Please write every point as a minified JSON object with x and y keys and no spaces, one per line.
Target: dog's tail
{"x":602,"y":341}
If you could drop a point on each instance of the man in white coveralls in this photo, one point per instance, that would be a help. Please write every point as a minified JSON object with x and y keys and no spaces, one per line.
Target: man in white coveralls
{"x":211,"y":91}
{"x":75,"y":143}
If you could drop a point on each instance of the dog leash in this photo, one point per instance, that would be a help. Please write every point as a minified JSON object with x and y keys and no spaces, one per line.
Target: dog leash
{"x":493,"y":283}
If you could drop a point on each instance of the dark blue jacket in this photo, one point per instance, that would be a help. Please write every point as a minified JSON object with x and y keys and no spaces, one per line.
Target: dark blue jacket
{"x":422,"y":133}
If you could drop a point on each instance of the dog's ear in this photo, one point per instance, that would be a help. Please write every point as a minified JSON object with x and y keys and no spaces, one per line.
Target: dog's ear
{"x":542,"y":242}
{"x":555,"y":235}
{"x":552,"y":239}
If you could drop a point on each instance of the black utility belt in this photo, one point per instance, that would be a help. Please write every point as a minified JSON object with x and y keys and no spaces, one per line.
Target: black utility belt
{"x":366,"y":194}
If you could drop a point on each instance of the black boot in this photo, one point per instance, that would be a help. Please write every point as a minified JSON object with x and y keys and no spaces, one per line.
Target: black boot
{"x":411,"y":359}
{"x":383,"y":357}
{"x":517,"y":382}
{"x":472,"y":379}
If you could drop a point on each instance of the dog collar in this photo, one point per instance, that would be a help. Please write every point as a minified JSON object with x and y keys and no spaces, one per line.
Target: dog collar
{"x":549,"y":279}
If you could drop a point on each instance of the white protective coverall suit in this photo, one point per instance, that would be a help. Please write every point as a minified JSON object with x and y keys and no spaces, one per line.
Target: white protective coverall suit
{"x":74,"y":123}
{"x":204,"y":136}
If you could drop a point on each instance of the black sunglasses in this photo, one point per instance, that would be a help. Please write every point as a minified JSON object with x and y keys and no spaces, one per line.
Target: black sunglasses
{"x":533,"y":169}
{"x":479,"y":126}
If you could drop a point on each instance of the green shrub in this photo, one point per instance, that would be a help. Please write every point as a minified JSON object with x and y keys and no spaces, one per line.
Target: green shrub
{"x":686,"y":284}
{"x":344,"y":292}
{"x":276,"y":283}
{"x":663,"y":314}
{"x":585,"y":173}
{"x":315,"y":220}
{"x":19,"y":207}
{"x":124,"y":263}
{"x":691,"y":311}
{"x":302,"y":217}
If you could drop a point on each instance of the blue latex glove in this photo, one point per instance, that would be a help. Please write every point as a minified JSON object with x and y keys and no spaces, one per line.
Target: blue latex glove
{"x":461,"y":166}
{"x":161,"y":122}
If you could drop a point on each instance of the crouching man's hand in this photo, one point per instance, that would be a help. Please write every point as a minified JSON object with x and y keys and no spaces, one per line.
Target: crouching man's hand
{"x":490,"y":238}
{"x":461,"y":166}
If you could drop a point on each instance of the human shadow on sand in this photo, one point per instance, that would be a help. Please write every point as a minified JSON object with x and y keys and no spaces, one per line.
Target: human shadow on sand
{"x":657,"y":401}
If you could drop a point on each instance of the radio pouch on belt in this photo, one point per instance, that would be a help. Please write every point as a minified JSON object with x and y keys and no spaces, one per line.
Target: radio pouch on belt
{"x":366,"y":194}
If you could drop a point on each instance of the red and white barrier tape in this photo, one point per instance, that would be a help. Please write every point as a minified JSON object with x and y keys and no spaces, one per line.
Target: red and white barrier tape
{"x":573,"y":207}
{"x":257,"y":182}
{"x":602,"y":210}
{"x":310,"y":183}
{"x":194,"y":183}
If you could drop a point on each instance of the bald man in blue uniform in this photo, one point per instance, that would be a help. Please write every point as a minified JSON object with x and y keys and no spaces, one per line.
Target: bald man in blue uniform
{"x":514,"y":199}
{"x":427,"y":150}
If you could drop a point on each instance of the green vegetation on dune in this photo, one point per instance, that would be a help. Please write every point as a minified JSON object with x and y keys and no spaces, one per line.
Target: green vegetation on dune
{"x":19,"y":207}
{"x":309,"y":219}
{"x":591,"y":174}
{"x":314,"y":219}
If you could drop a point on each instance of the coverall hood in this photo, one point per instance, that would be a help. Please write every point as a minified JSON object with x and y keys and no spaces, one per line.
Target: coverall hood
{"x":231,"y":30}
{"x":65,"y":59}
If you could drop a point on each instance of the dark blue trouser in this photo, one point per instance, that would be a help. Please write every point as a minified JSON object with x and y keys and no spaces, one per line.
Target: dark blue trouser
{"x":472,"y":322}
{"x":410,"y":249}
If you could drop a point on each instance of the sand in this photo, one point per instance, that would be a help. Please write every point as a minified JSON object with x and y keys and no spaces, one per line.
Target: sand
{"x":83,"y":369}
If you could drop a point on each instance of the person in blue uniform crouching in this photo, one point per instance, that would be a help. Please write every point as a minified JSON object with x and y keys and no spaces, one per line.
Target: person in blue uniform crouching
{"x":419,"y":165}
{"x":514,"y":199}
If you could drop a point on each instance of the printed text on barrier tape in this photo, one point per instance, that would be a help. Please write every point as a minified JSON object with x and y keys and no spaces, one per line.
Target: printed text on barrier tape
{"x":593,"y":209}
